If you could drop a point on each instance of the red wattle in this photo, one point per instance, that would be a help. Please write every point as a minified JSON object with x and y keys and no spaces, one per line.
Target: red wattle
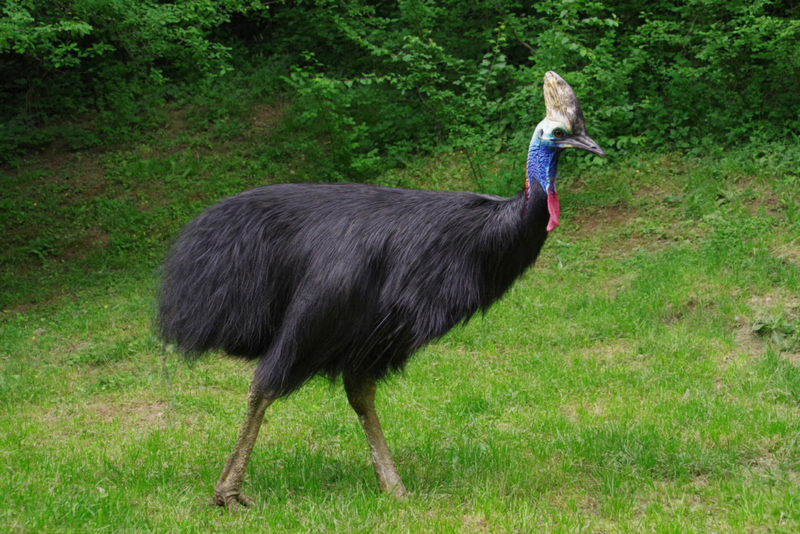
{"x":553,"y":208}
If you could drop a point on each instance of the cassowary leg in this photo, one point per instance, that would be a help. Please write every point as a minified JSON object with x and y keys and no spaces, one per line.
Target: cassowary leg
{"x":228,"y":491}
{"x":361,"y":394}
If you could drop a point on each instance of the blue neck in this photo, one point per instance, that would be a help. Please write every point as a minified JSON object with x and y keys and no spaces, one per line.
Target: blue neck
{"x":542,"y":165}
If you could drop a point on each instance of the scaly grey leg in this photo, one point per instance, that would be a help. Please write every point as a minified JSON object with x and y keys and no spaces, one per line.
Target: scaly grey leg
{"x":228,"y":491}
{"x":361,"y":394}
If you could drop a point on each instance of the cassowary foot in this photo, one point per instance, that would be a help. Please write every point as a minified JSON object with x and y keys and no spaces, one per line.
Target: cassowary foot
{"x":228,"y":491}
{"x":389,"y":480}
{"x":231,"y":499}
{"x":398,"y":492}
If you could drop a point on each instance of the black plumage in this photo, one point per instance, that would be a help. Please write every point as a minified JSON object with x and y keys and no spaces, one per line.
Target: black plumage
{"x":336,"y":279}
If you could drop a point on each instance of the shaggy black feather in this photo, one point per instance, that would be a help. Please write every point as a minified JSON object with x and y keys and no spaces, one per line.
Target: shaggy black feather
{"x":341,"y":279}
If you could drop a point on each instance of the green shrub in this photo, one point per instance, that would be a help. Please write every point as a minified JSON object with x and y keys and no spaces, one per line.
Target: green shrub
{"x":106,"y":63}
{"x":373,"y":82}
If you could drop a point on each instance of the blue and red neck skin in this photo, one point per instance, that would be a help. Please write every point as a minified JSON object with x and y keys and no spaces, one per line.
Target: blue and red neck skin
{"x":542,"y":168}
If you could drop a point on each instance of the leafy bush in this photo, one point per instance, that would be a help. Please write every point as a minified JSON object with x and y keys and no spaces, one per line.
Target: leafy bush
{"x":375,"y":81}
{"x":689,"y":75}
{"x":114,"y":60}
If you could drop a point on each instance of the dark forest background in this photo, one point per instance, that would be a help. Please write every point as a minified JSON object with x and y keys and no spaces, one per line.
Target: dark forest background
{"x":380,"y":81}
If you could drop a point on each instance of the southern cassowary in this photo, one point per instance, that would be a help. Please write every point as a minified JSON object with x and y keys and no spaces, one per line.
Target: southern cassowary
{"x":351,"y":279}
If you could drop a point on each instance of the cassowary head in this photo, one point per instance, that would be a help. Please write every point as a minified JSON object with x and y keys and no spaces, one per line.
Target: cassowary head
{"x":562,"y":128}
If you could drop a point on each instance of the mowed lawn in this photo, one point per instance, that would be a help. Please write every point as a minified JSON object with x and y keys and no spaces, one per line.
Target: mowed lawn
{"x":644,"y":376}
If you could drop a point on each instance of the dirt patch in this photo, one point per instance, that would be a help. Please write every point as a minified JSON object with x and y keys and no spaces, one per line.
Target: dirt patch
{"x":660,"y":191}
{"x":774,"y":308}
{"x":89,"y":240}
{"x":789,"y":252}
{"x":176,"y":122}
{"x":747,"y":342}
{"x":702,"y":300}
{"x":476,"y":523}
{"x":766,"y":463}
{"x":775,"y":304}
{"x":138,"y":414}
{"x":58,"y":154}
{"x":755,"y":195}
{"x":578,"y":413}
{"x":619,"y":284}
{"x":265,"y":118}
{"x":612,"y":353}
{"x":623,"y":229}
{"x":600,"y":220}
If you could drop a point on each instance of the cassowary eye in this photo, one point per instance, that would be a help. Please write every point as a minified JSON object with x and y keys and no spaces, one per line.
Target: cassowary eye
{"x":558,"y":133}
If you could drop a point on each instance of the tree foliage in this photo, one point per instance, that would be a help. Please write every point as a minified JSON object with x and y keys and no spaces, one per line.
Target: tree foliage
{"x":381,"y":79}
{"x":116,"y":57}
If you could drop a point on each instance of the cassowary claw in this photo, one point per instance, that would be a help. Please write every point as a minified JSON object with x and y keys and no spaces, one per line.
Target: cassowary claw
{"x":232,"y":499}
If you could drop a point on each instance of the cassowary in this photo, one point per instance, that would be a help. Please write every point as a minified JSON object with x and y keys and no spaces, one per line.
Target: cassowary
{"x":349,"y":279}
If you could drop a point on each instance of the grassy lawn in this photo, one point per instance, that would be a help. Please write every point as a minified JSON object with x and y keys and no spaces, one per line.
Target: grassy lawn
{"x":644,"y":376}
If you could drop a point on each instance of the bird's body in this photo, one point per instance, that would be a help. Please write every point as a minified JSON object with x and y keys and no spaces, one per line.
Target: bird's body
{"x":349,"y":280}
{"x":336,"y":279}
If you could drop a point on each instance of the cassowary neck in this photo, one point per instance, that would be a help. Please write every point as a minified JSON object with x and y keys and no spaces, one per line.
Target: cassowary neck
{"x":542,"y":167}
{"x":510,"y":244}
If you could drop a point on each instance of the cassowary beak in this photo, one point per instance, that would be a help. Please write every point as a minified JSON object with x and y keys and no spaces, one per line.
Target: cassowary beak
{"x":583,"y":142}
{"x":562,"y":106}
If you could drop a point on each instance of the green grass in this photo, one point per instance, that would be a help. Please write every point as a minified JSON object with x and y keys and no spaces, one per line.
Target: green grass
{"x":644,"y":376}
